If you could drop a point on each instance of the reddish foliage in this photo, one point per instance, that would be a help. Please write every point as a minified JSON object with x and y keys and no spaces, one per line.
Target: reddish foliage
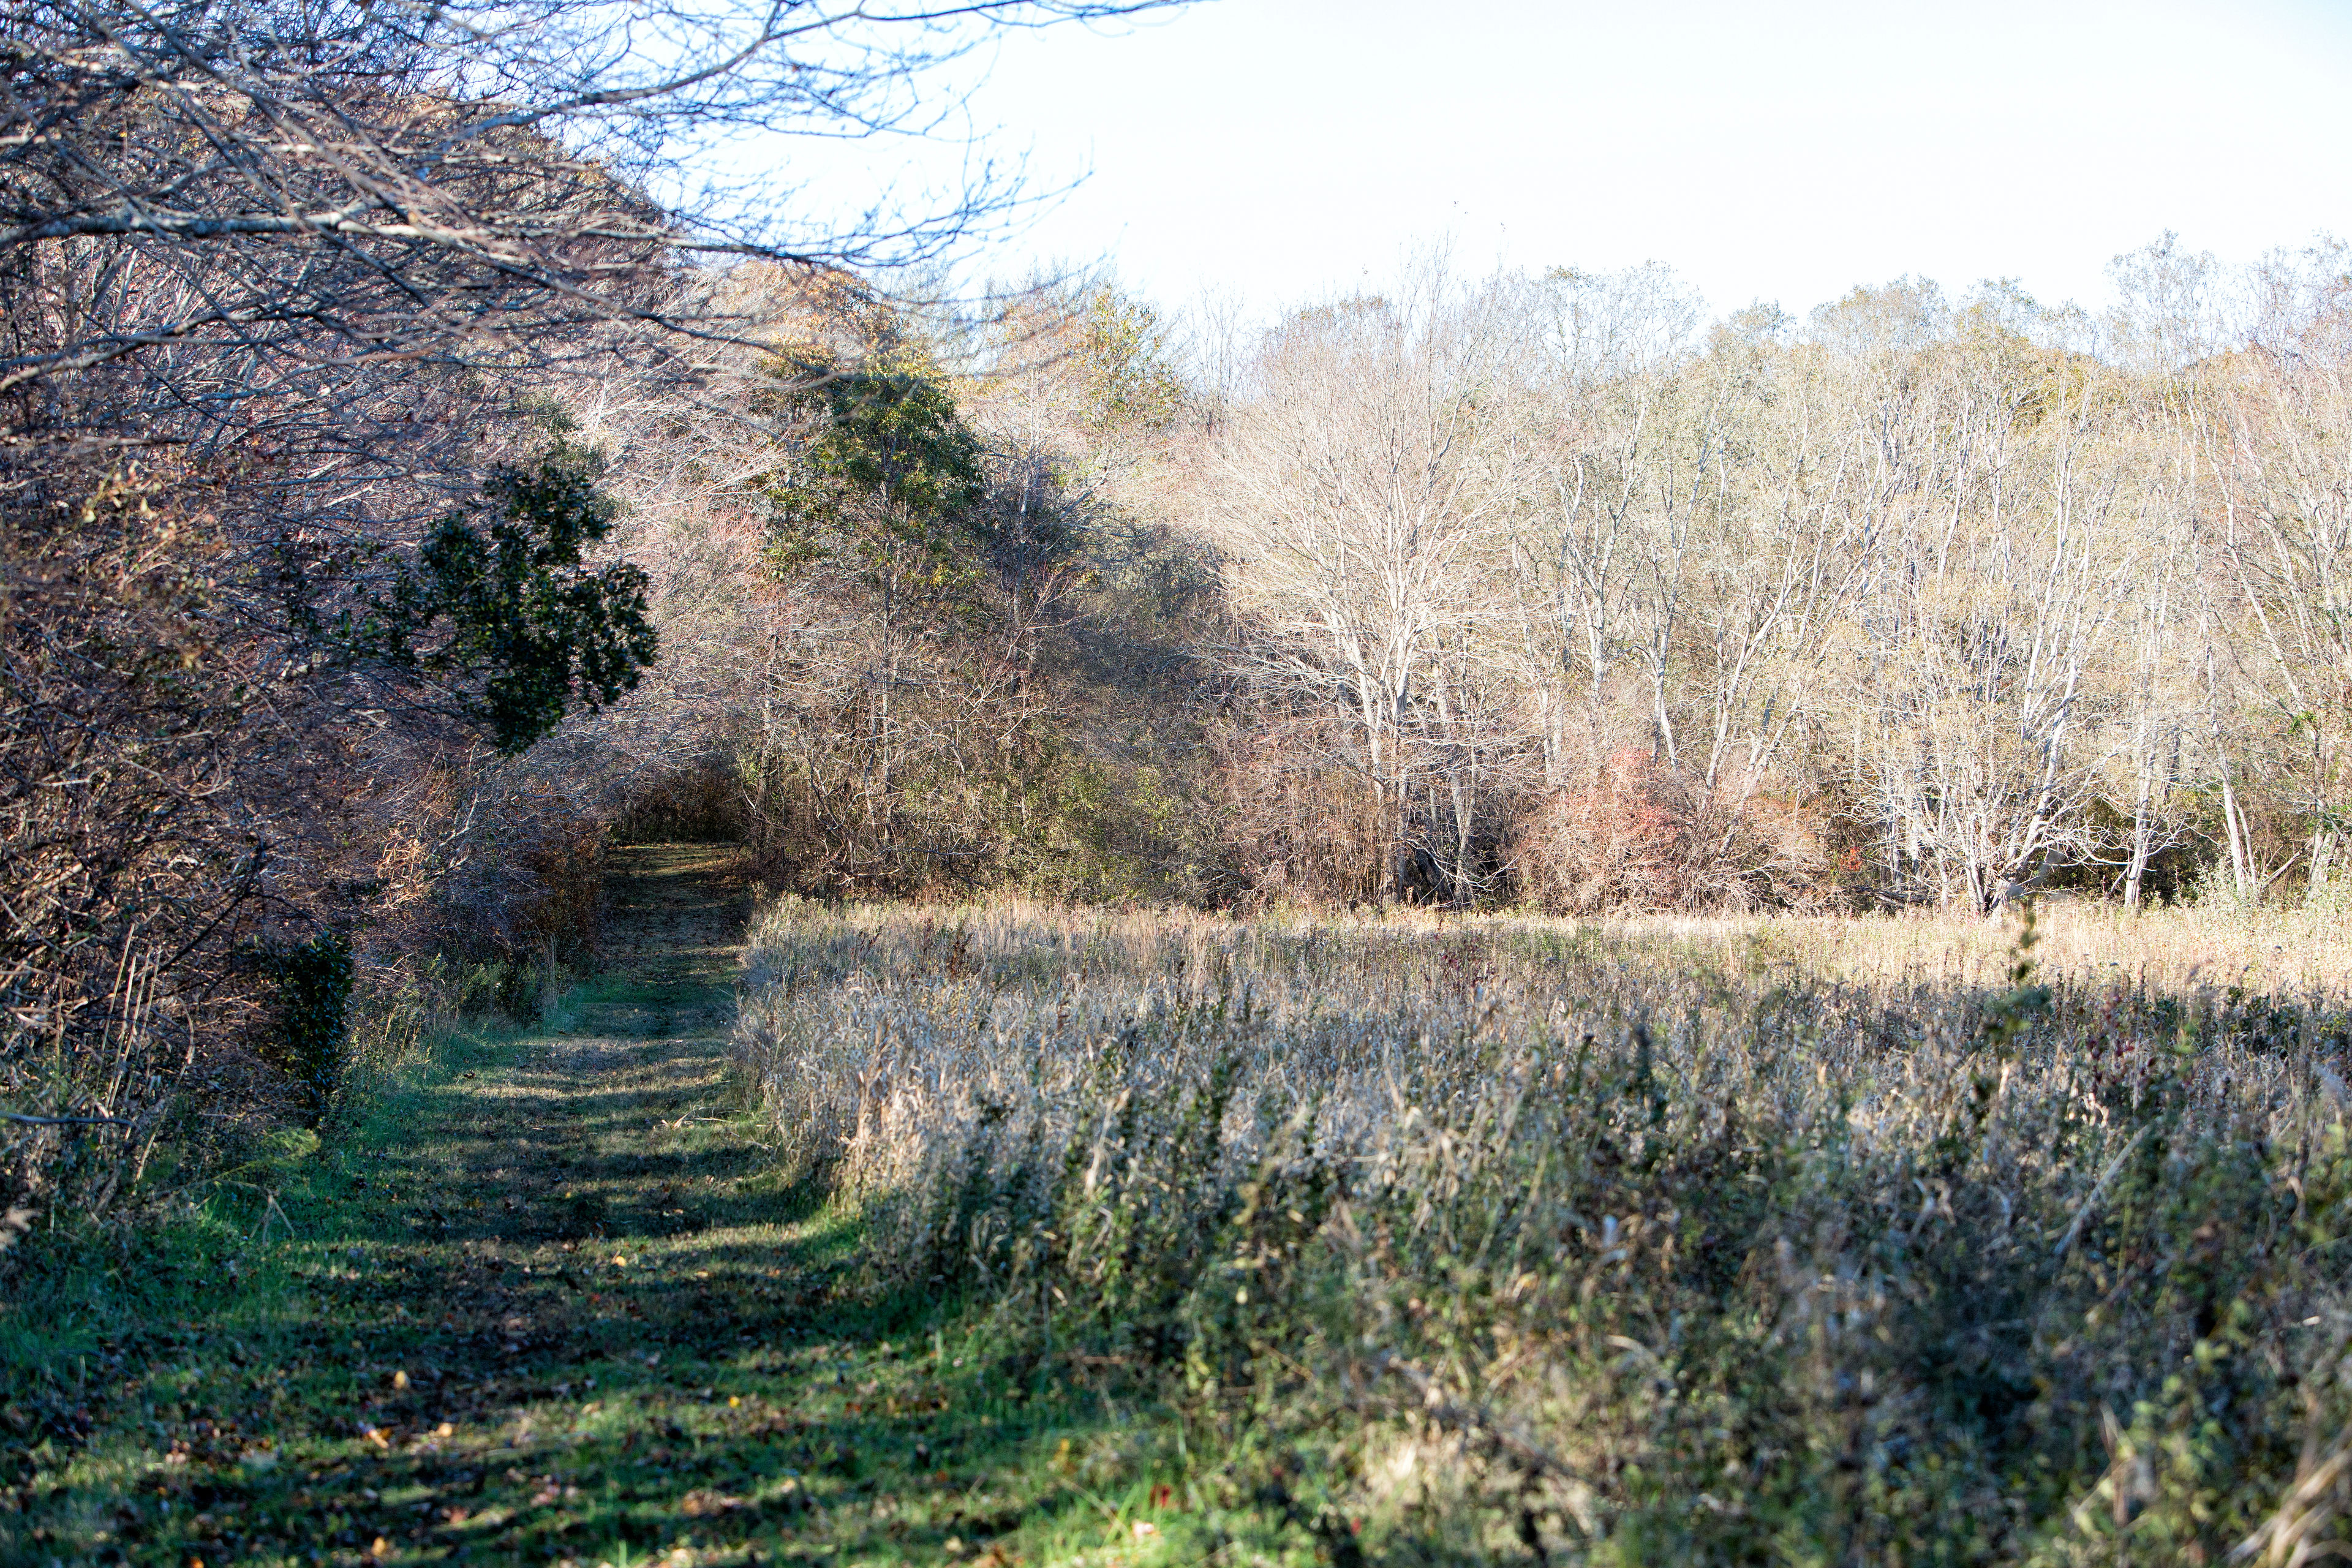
{"x":1646,"y":836}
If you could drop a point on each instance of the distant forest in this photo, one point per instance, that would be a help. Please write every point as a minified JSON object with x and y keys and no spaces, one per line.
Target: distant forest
{"x":400,"y":501}
{"x":1538,"y":591}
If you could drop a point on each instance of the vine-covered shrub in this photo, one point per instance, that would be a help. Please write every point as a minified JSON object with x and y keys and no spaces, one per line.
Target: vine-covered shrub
{"x":501,"y":607}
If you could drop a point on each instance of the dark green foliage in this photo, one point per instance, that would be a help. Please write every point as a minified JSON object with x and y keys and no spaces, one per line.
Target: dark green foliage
{"x":886,"y":485}
{"x":499,"y":603}
{"x":311,"y":1003}
{"x":896,"y":434}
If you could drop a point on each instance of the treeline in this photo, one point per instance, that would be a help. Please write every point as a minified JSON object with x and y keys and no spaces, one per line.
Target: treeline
{"x":1912,"y":602}
{"x":1542,"y":590}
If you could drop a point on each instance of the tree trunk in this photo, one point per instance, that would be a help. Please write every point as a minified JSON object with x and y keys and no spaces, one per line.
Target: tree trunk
{"x":2142,"y":832}
{"x":2242,"y":868}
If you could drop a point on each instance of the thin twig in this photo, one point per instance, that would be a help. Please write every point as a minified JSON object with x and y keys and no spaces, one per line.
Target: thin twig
{"x":2302,"y":1514}
{"x":66,"y":1121}
{"x":2098,"y":1191}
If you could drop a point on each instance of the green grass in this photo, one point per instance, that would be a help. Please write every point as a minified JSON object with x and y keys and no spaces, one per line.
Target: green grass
{"x":545,"y":1298}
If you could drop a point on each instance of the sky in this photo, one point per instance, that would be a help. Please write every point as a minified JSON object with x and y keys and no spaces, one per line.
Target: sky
{"x":1289,"y":149}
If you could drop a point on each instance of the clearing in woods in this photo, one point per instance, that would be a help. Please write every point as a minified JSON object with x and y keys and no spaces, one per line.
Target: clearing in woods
{"x":546,"y":1304}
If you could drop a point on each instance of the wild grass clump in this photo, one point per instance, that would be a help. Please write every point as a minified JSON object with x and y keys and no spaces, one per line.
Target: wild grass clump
{"x":1521,"y":1240}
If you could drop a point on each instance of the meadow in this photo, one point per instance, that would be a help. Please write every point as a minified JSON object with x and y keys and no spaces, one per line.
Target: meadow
{"x":1492,"y":1238}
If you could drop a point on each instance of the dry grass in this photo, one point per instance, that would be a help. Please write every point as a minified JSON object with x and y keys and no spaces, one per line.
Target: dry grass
{"x":2282,"y":951}
{"x":1662,"y":1240}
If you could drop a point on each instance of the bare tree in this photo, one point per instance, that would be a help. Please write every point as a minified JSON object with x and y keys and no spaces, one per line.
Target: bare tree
{"x":1353,"y":498}
{"x":2283,"y":429}
{"x":1610,"y":345}
{"x":2003,"y":581}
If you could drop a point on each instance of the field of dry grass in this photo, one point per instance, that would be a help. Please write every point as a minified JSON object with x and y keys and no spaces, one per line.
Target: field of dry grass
{"x":2281,"y":951}
{"x":1439,"y":1239}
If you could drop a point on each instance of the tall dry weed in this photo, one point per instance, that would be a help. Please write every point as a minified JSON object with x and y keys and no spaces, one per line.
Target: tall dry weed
{"x":1687,"y":1241}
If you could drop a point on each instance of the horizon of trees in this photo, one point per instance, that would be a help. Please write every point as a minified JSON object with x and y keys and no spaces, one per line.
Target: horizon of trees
{"x":1923,"y":601}
{"x":1545,"y":589}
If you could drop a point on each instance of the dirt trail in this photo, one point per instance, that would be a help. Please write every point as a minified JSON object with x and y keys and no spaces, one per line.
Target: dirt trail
{"x":611,"y":1127}
{"x":577,"y":1201}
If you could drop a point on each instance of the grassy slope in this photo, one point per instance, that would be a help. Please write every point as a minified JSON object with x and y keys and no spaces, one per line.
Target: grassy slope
{"x":542,"y":1304}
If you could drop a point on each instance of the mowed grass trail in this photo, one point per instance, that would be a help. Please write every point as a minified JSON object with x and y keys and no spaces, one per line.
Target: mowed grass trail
{"x":546,"y":1304}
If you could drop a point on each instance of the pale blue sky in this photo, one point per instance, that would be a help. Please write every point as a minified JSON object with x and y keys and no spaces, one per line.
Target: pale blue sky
{"x":1285,"y":147}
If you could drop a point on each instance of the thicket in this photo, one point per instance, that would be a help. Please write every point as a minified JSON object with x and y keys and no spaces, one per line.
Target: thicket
{"x":1517,"y":1240}
{"x":311,"y":572}
{"x":923,"y":634}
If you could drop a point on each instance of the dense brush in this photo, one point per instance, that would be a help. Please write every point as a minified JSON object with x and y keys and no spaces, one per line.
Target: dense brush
{"x":1654,"y":1244}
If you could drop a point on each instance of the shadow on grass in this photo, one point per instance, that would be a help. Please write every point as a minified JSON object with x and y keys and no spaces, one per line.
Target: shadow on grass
{"x":543,"y":1300}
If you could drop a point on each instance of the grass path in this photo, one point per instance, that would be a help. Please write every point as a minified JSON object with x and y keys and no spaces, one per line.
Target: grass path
{"x":544,"y":1306}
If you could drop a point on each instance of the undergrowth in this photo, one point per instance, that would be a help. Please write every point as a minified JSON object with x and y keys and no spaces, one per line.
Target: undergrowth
{"x":1521,"y":1241}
